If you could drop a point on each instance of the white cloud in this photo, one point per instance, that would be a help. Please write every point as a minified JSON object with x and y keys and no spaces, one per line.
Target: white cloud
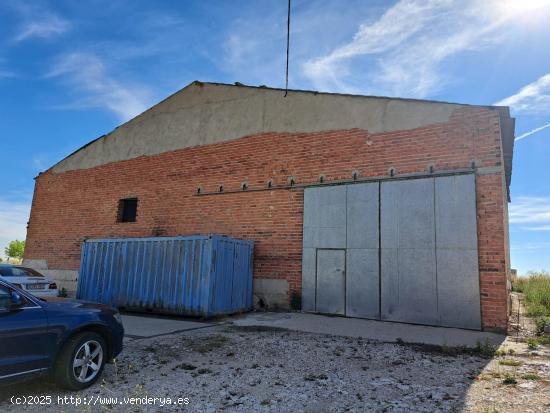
{"x":13,"y":221}
{"x":532,"y":131}
{"x":41,"y":24}
{"x":238,"y":48}
{"x":533,"y":98}
{"x":532,"y":212}
{"x":396,"y":26}
{"x":400,"y":53}
{"x":41,"y":162}
{"x":531,"y":246}
{"x":248,"y":51}
{"x":540,"y":228}
{"x":5,"y":74}
{"x":88,"y":77}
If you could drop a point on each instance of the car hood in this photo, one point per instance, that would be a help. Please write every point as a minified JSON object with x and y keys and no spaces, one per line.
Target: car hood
{"x":76,"y":305}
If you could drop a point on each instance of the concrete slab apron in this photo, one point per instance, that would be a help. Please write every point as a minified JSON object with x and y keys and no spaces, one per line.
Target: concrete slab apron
{"x":371,"y":329}
{"x":143,"y":326}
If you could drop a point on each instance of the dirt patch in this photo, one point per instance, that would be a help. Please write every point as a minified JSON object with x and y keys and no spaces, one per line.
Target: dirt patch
{"x":255,"y":329}
{"x":208,"y":343}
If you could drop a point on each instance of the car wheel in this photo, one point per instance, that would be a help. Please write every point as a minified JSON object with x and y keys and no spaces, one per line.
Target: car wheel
{"x":81,"y":361}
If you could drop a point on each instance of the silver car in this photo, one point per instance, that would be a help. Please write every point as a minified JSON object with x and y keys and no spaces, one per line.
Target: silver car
{"x":29,"y":280}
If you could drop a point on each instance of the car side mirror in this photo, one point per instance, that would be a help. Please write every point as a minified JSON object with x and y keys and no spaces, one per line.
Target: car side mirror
{"x":16,"y":300}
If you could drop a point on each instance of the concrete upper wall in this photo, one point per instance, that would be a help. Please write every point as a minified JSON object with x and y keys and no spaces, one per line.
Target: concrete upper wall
{"x":205,"y":113}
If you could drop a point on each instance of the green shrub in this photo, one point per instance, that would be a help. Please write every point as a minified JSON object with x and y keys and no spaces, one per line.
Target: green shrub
{"x":510,"y":362}
{"x":541,"y":322}
{"x":518,"y":283}
{"x":485,"y":349}
{"x":509,"y":379}
{"x":536,"y":290}
{"x":532,"y":343}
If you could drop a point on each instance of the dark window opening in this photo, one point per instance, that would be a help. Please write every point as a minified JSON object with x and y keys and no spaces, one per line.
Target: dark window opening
{"x":127,"y":210}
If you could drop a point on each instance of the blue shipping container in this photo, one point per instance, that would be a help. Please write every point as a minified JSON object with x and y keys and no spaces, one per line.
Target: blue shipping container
{"x":198,"y":275}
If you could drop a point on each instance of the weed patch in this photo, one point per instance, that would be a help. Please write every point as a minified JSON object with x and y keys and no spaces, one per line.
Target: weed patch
{"x":485,"y":349}
{"x":532,"y":343}
{"x":257,"y":329}
{"x":510,"y":362}
{"x":542,"y":322}
{"x":184,"y":366}
{"x":531,"y":376}
{"x":209,"y":343}
{"x":509,"y":380}
{"x":314,"y":377}
{"x":536,"y":290}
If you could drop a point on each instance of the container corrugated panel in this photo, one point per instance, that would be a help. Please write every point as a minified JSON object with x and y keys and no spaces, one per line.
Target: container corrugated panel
{"x":199,"y":275}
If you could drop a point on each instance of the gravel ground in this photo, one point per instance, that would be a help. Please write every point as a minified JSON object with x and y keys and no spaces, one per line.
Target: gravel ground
{"x":244,"y":369}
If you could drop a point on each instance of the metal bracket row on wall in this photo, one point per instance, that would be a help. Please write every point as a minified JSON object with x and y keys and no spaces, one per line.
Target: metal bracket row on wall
{"x":292,"y":185}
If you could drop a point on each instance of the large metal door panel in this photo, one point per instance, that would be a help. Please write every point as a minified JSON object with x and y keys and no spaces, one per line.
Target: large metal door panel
{"x":331,"y":281}
{"x":362,"y":271}
{"x":455,"y":208}
{"x":457,"y":255}
{"x":362,"y":219}
{"x":407,"y":214}
{"x":408,"y":286}
{"x":362,"y":283}
{"x":458,"y":288}
{"x":325,"y":217}
{"x":324,"y":227}
{"x":408,"y":278}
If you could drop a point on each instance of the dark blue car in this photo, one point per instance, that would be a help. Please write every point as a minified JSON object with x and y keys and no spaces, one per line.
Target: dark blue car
{"x":69,"y":340}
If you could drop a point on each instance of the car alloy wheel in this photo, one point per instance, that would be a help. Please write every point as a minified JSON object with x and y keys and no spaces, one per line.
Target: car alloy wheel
{"x":87,"y":361}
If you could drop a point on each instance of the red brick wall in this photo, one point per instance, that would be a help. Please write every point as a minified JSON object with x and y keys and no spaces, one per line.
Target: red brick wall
{"x":71,"y":206}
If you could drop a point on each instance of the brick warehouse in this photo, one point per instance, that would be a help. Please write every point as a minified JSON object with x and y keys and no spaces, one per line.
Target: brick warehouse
{"x":362,"y":206}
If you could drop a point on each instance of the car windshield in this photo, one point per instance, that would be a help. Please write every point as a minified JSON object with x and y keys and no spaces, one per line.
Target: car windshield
{"x":18,"y":272}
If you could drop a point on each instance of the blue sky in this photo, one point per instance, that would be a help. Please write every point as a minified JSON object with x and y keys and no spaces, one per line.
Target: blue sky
{"x":73,"y":70}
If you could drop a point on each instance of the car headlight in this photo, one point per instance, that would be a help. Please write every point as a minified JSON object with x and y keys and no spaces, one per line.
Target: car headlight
{"x":117,"y":317}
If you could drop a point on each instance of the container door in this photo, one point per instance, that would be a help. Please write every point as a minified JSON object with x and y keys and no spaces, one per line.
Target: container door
{"x":331,"y":281}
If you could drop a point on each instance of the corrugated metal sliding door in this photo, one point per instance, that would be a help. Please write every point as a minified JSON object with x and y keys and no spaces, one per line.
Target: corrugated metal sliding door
{"x":362,"y":269}
{"x":400,"y":250}
{"x":340,"y":271}
{"x":409,"y":290}
{"x":429,"y":262}
{"x":324,"y":228}
{"x":456,"y":253}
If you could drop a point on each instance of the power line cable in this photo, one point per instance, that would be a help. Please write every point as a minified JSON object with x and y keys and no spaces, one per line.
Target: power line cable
{"x":287,"y":47}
